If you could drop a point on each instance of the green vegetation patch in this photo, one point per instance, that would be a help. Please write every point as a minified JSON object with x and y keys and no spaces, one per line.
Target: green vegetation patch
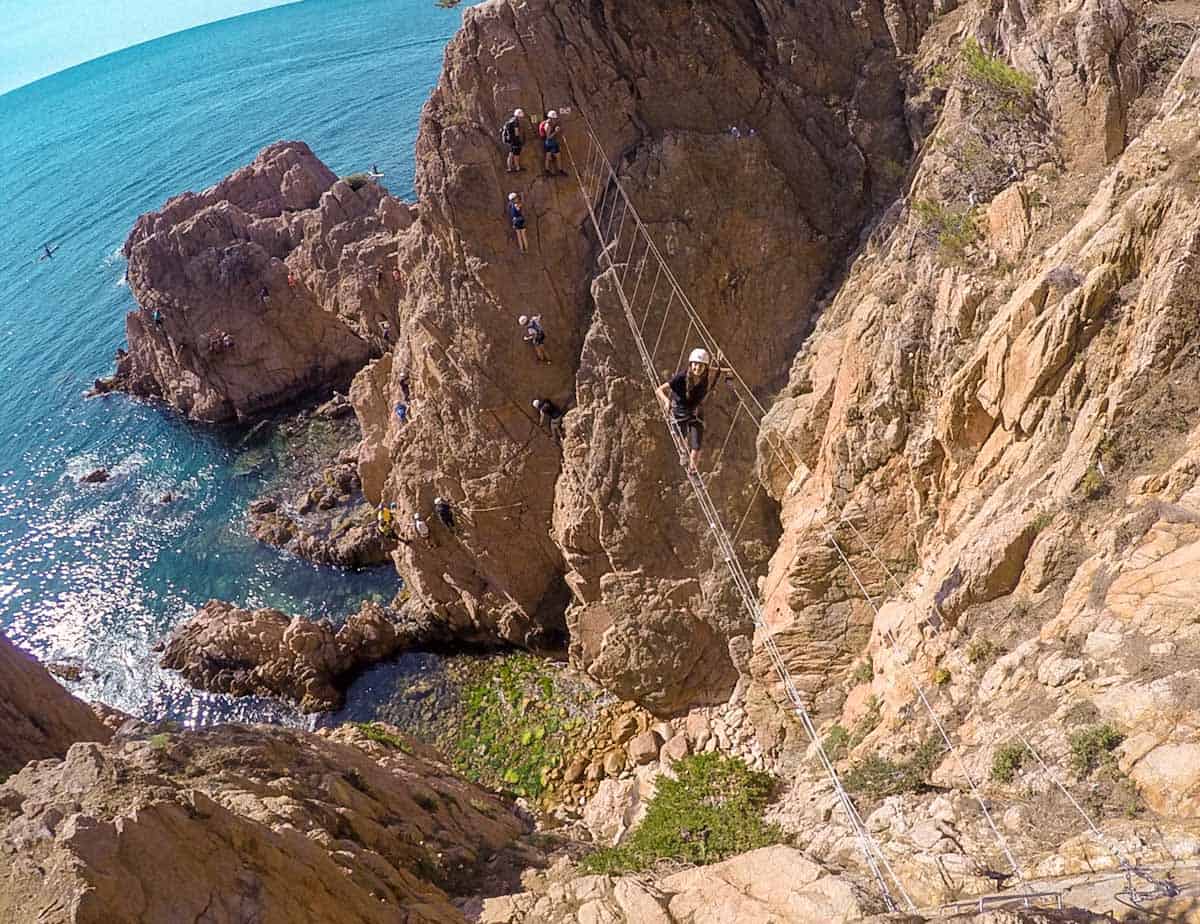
{"x":982,"y":650}
{"x":357,"y":181}
{"x":712,"y":810}
{"x":372,"y":731}
{"x":994,"y":73}
{"x":1092,"y":747}
{"x":941,"y":677}
{"x":514,"y":729}
{"x":954,"y":230}
{"x":878,"y":777}
{"x":1007,"y":761}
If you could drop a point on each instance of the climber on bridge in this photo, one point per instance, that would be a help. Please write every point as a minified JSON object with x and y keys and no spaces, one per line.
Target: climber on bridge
{"x":549,"y":415}
{"x":549,"y":130}
{"x":682,"y":396}
{"x":535,"y":336}
{"x":516,"y":214}
{"x":514,"y":140}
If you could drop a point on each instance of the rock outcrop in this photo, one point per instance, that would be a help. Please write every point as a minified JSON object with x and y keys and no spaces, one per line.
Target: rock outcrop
{"x":226,"y":649}
{"x":38,"y":718}
{"x":275,"y":282}
{"x":599,"y":529}
{"x":232,"y":824}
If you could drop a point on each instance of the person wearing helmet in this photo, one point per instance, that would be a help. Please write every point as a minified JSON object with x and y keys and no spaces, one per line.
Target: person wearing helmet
{"x":516,"y":214}
{"x":682,"y":396}
{"x":549,"y":131}
{"x":549,"y":415}
{"x":514,"y":140}
{"x":384,"y":519}
{"x":421,"y":529}
{"x":535,"y":336}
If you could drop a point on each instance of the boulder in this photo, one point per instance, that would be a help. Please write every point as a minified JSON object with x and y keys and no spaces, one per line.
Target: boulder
{"x":643,"y":748}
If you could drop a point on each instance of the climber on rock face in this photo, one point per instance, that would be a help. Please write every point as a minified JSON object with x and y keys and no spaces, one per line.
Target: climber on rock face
{"x":516,"y":214}
{"x":402,"y":412}
{"x":683,"y":397}
{"x":549,"y":415}
{"x":549,"y":131}
{"x":384,"y":518}
{"x":535,"y":336}
{"x":441,"y":507}
{"x":514,"y":140}
{"x":421,"y":528}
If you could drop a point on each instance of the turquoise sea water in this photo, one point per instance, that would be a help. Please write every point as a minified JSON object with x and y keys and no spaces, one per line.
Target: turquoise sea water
{"x":97,"y":574}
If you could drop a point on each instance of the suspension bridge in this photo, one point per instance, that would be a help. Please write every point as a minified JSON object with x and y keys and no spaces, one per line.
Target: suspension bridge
{"x":650,"y":296}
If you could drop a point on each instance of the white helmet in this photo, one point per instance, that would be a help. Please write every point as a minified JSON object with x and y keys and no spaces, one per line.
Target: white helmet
{"x":519,"y":113}
{"x":537,"y":405}
{"x":552,"y":114}
{"x":512,"y":197}
{"x":438,"y":500}
{"x":699,"y":355}
{"x":523,"y":319}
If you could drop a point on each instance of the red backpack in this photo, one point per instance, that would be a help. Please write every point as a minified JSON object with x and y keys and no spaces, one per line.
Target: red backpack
{"x":544,"y":128}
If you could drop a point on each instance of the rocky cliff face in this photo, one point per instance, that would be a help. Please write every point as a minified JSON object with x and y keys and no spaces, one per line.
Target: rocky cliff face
{"x":756,"y":226}
{"x":274,"y":282}
{"x":1000,"y":403}
{"x":234,"y":824}
{"x":38,"y":718}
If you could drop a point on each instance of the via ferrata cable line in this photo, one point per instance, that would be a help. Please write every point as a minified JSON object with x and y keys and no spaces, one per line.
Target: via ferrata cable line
{"x":1160,"y":888}
{"x":875,"y":859}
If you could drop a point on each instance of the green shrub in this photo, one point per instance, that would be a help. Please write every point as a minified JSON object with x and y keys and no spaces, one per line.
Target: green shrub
{"x":1007,"y":761}
{"x":877,"y":777}
{"x":863,"y":672}
{"x":982,"y":650}
{"x":1042,"y":520}
{"x":357,"y":181}
{"x":837,"y":742}
{"x":1093,"y":485}
{"x":993,"y":72}
{"x":955,"y":231}
{"x":713,"y":810}
{"x":1092,"y":747}
{"x":941,"y":677}
{"x":380,"y":735}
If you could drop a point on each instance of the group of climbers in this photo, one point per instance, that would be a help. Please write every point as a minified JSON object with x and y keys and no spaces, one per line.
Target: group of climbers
{"x":512,"y":136}
{"x":385,"y":520}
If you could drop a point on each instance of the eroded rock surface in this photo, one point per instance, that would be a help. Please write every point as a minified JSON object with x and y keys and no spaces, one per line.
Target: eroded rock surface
{"x":600,"y":529}
{"x":275,"y":282}
{"x":231,"y":824}
{"x":226,"y":649}
{"x":38,"y":718}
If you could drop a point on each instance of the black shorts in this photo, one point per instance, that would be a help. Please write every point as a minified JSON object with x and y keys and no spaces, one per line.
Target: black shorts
{"x":550,"y":145}
{"x":515,"y":147}
{"x":691,"y":431}
{"x":519,"y":224}
{"x":538,"y":339}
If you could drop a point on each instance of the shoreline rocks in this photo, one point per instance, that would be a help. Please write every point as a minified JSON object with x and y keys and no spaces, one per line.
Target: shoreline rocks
{"x":226,"y":649}
{"x":272,"y":284}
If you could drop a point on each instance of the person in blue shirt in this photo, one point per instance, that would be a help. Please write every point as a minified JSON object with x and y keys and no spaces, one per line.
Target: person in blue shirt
{"x":402,"y":412}
{"x":516,"y":214}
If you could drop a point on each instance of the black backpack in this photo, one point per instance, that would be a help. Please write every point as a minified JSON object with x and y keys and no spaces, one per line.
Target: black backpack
{"x":508,"y":134}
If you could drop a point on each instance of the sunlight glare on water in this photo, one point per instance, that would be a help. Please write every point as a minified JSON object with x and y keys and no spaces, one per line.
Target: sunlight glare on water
{"x":97,"y":574}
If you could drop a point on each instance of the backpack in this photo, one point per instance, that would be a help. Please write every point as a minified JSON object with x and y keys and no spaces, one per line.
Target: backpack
{"x":508,"y":134}
{"x":544,"y":129}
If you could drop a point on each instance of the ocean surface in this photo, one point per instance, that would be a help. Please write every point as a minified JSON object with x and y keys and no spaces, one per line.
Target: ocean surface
{"x":97,"y":574}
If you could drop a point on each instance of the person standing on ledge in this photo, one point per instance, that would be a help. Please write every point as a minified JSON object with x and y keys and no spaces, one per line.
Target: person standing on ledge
{"x":514,"y":140}
{"x":682,"y":396}
{"x":516,"y":214}
{"x":535,"y":336}
{"x":549,"y":131}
